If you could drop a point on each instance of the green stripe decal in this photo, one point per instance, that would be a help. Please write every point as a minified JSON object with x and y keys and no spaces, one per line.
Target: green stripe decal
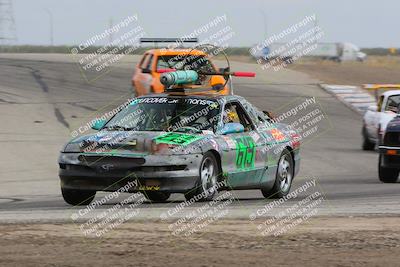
{"x":177,"y":139}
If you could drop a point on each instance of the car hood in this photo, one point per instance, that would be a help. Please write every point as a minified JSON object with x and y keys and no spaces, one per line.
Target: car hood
{"x":394,"y":125}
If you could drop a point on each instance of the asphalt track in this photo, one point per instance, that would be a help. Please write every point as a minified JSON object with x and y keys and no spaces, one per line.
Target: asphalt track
{"x":43,"y":98}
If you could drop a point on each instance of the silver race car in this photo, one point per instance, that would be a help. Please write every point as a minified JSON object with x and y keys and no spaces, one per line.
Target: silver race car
{"x":195,"y":144}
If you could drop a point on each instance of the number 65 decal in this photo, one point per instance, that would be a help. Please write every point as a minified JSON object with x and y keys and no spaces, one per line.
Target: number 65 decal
{"x":245,"y":152}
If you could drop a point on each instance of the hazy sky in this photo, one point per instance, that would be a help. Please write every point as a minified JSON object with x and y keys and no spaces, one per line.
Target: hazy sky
{"x":366,"y":23}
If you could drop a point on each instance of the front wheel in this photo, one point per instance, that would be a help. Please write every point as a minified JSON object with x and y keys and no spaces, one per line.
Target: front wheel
{"x":78,"y":197}
{"x":206,"y":186}
{"x":387,"y":175}
{"x":283,"y":178}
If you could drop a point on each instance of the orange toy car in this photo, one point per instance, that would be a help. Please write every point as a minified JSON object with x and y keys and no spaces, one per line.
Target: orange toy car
{"x":146,"y":78}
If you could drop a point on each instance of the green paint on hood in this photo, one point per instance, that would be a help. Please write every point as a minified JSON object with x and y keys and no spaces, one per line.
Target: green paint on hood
{"x":177,"y":138}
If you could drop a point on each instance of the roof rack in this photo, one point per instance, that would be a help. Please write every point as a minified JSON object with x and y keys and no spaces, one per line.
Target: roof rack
{"x":169,"y":40}
{"x":178,"y":41}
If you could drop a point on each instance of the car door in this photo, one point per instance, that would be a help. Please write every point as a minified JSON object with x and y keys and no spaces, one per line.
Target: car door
{"x":372,"y":119}
{"x":245,"y":168}
{"x":274,"y":140}
{"x":143,"y":79}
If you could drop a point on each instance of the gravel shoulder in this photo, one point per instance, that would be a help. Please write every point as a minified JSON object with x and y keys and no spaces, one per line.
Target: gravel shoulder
{"x":323,"y":241}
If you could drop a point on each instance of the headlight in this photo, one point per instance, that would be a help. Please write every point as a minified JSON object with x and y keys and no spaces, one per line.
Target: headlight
{"x":72,"y":147}
{"x":160,"y":148}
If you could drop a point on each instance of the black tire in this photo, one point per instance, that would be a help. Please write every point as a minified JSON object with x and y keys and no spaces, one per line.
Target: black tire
{"x":157,"y":196}
{"x":205,"y":191}
{"x":387,"y":175}
{"x":78,"y":197}
{"x":282,"y":184}
{"x":367,"y":145}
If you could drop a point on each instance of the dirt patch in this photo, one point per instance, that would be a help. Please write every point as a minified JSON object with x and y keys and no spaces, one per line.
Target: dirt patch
{"x":362,"y":241}
{"x":374,"y":70}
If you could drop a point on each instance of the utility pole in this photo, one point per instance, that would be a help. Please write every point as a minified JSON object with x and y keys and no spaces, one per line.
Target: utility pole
{"x":315,"y":29}
{"x":8,"y":31}
{"x":51,"y":26}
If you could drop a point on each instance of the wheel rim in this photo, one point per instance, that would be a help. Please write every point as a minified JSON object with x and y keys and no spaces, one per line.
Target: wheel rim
{"x":285,"y":173}
{"x":208,"y":177}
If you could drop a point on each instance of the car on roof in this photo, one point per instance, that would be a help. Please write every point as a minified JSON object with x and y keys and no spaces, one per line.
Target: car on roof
{"x":389,"y":152}
{"x":378,"y":116}
{"x":155,"y":62}
{"x":169,"y":143}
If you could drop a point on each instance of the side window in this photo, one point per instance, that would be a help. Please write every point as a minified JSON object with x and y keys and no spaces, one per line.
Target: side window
{"x":261,"y":117}
{"x":250,"y":111}
{"x":149,"y":63}
{"x":380,"y":101}
{"x":143,"y":62}
{"x":234,"y":112}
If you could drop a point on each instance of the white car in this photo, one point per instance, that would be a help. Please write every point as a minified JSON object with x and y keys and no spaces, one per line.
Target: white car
{"x":377,"y":117}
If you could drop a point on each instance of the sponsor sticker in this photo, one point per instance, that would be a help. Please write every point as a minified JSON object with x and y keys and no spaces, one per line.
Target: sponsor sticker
{"x":230,"y":142}
{"x":277,"y":135}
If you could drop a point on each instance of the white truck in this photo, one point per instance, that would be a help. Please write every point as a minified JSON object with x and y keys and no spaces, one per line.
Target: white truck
{"x":377,"y":117}
{"x":330,"y":51}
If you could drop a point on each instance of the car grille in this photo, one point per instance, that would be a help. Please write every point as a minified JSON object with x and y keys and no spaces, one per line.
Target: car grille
{"x":120,"y":162}
{"x":116,"y":170}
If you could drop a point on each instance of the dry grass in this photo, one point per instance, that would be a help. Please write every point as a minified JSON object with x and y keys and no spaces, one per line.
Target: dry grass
{"x":376,"y":69}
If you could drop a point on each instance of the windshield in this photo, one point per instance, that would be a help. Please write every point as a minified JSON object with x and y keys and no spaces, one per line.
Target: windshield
{"x":186,"y":62}
{"x":167,"y":114}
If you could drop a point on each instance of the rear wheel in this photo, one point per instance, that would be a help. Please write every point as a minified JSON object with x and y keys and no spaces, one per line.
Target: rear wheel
{"x":367,"y":144}
{"x":157,"y":196}
{"x":78,"y":197}
{"x":387,"y":175}
{"x":206,"y":186}
{"x":283,"y":178}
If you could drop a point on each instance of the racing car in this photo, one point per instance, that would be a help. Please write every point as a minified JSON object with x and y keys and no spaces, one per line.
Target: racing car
{"x":146,"y":77}
{"x":377,"y":117}
{"x":389,"y":153}
{"x":181,"y":142}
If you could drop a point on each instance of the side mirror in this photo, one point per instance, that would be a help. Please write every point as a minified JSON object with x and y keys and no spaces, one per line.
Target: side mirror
{"x":269,"y":114}
{"x":146,"y":71}
{"x":232,"y":127}
{"x":98,"y":124}
{"x":373,"y":108}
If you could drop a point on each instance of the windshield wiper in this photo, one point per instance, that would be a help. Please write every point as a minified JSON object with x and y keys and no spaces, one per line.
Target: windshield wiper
{"x":118,"y":128}
{"x":187,"y":129}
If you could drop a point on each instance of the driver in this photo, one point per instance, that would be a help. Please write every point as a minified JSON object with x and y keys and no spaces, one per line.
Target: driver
{"x":230,"y":116}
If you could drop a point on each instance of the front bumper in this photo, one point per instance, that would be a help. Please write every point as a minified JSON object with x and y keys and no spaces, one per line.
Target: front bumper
{"x":169,"y":173}
{"x":390,"y":156}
